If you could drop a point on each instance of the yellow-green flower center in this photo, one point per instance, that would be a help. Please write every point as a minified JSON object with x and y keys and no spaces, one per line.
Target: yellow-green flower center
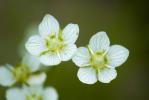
{"x":21,"y":73}
{"x":34,"y":97}
{"x":98,"y":60}
{"x":53,"y":44}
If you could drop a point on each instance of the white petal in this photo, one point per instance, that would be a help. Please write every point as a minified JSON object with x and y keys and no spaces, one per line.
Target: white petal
{"x":32,"y":62}
{"x":99,"y":42}
{"x":50,"y":94}
{"x":106,"y":75}
{"x":6,"y":77}
{"x":15,"y":94}
{"x":87,"y":75}
{"x":82,"y":57}
{"x":50,"y":59}
{"x":70,"y":33}
{"x":117,"y":55}
{"x":68,"y":52}
{"x":37,"y":79}
{"x":35,"y":45}
{"x":49,"y":25}
{"x":33,"y":89}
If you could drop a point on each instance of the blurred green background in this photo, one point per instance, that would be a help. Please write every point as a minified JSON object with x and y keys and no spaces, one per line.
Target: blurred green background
{"x":125,"y":21}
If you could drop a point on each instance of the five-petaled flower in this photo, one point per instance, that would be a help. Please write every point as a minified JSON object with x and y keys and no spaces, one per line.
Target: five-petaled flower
{"x":22,"y":73}
{"x":35,"y":92}
{"x":98,"y":60}
{"x":53,"y":45}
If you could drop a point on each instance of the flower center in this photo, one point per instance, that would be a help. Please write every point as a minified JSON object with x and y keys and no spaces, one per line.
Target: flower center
{"x":53,"y":44}
{"x":98,"y":60}
{"x":21,"y":73}
{"x":34,"y":97}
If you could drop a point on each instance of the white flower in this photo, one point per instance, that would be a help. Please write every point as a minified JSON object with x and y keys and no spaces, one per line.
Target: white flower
{"x":36,"y":92}
{"x":22,"y":73}
{"x":52,"y":45}
{"x":98,"y":60}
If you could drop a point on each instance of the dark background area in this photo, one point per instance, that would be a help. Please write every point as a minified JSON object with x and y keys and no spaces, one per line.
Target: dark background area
{"x":125,"y":21}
